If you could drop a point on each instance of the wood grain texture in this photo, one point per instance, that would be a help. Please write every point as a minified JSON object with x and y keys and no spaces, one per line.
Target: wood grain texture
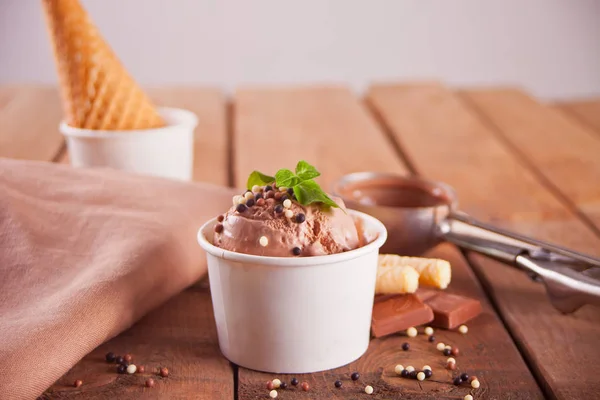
{"x":326,"y":126}
{"x":181,"y":334}
{"x":29,"y":124}
{"x":447,"y":141}
{"x":566,"y":153}
{"x":329,"y":127}
{"x":586,"y":111}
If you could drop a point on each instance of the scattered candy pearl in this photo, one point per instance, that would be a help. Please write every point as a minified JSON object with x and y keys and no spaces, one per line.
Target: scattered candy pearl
{"x":468,"y":397}
{"x":131,"y":368}
{"x":260,"y":202}
{"x":236,"y":200}
{"x":264,"y":242}
{"x":287,"y":203}
{"x":121,"y":369}
{"x":255,"y":189}
{"x":463,"y":329}
{"x":428,"y":373}
{"x":241,"y":208}
{"x":270,"y":385}
{"x":412,"y":331}
{"x":431,"y":338}
{"x":428,"y":331}
{"x":78,"y":383}
{"x":457,"y":381}
{"x":289,"y":213}
{"x":475,"y":384}
{"x":164,"y":372}
{"x":273,"y":394}
{"x":451,"y":366}
{"x":296,"y":251}
{"x":369,"y":389}
{"x":220,"y":218}
{"x":464,"y":376}
{"x":219,"y":228}
{"x":450,"y":360}
{"x":421,"y":376}
{"x":283,"y":189}
{"x":447,"y":347}
{"x":294,"y":381}
{"x":110,"y":357}
{"x":410,"y":368}
{"x":128,"y":357}
{"x":249,"y":195}
{"x":141,"y":369}
{"x":278,"y":209}
{"x":149,"y":382}
{"x":447,"y":352}
{"x":398,"y":369}
{"x":338,"y":384}
{"x":305,"y":386}
{"x":473,"y":378}
{"x":405,"y":346}
{"x":426,"y":367}
{"x":440,"y":346}
{"x":455,"y":351}
{"x":355,"y":376}
{"x":300,"y":218}
{"x":276,"y":382}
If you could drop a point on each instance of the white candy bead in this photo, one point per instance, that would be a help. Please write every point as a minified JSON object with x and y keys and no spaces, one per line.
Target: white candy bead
{"x":451,"y":360}
{"x":421,"y":376}
{"x":468,"y":397}
{"x":249,"y":195}
{"x":412,"y":331}
{"x":463,"y":329}
{"x":256,"y":188}
{"x":131,"y":368}
{"x":236,"y":200}
{"x":447,"y":347}
{"x":289,"y":213}
{"x":429,"y":331}
{"x":273,"y":394}
{"x":369,"y":389}
{"x":264,"y":241}
{"x":399,"y":368}
{"x":287,"y":203}
{"x":426,"y":367}
{"x":475,"y":384}
{"x":410,"y":368}
{"x":440,"y":346}
{"x":276,"y":382}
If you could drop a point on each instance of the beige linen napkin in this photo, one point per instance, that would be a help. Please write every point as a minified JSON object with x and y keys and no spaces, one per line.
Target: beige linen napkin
{"x":83,"y":255}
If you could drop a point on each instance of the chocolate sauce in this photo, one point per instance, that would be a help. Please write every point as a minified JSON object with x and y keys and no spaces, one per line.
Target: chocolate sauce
{"x":393,"y":193}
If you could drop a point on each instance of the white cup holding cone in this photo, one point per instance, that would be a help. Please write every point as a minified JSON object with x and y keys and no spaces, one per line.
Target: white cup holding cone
{"x":167,"y":151}
{"x":294,"y":314}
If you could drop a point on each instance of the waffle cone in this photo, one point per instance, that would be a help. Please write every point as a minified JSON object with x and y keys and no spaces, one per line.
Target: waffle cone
{"x":97,"y":91}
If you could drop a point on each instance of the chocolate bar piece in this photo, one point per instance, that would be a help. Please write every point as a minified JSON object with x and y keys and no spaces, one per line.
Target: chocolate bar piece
{"x":451,"y":310}
{"x":397,"y":313}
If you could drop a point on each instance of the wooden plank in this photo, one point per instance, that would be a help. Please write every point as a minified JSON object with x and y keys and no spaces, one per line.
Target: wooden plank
{"x":586,"y":111}
{"x":329,"y":127}
{"x":557,"y":148}
{"x":181,"y":334}
{"x":7,"y":94}
{"x":447,"y":141}
{"x":29,"y":124}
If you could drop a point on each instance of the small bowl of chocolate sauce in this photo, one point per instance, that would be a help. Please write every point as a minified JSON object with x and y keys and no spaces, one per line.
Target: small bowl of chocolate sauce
{"x":409,"y":207}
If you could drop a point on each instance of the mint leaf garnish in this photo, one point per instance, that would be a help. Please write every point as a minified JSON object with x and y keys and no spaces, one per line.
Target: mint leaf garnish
{"x":305,"y":171}
{"x":309,"y":191}
{"x":285,"y":177}
{"x":258,"y":178}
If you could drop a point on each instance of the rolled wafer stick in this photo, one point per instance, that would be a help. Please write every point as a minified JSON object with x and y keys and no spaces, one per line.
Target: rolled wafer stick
{"x":432,"y":271}
{"x":396,"y":279}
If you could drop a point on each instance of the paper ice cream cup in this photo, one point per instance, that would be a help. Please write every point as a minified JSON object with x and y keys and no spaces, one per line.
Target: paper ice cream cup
{"x":167,"y":151}
{"x":294,"y":314}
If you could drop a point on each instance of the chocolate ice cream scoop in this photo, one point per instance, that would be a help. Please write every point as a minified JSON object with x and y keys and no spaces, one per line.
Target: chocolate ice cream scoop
{"x":282,"y":227}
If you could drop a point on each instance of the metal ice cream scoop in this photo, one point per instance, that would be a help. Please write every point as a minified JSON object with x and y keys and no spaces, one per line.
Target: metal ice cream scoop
{"x":419,"y":214}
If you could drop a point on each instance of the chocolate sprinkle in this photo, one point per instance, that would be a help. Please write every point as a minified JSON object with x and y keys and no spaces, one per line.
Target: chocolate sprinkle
{"x":278,"y":208}
{"x":300,"y":218}
{"x":241,"y":208}
{"x":296,"y":251}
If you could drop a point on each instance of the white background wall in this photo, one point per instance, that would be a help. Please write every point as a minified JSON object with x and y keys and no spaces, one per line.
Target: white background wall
{"x":550,"y":47}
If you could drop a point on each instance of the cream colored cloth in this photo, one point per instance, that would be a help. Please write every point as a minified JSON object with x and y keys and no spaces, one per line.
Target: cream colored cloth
{"x":83,"y":255}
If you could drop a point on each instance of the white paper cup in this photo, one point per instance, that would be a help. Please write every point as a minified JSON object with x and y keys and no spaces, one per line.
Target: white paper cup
{"x":167,"y":152}
{"x":293,"y":314}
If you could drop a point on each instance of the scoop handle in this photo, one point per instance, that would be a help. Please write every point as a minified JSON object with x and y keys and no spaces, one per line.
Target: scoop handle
{"x":572,"y":279}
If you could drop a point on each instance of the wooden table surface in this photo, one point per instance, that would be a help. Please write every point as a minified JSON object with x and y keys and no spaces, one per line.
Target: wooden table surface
{"x":515,"y":162}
